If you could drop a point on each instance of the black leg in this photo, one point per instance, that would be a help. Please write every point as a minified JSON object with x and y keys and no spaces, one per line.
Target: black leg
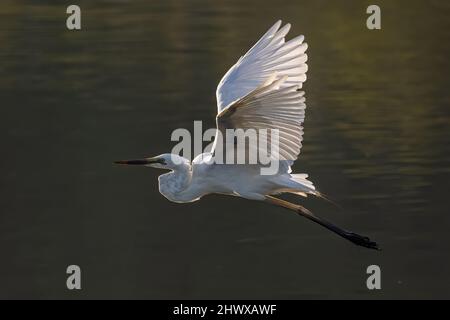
{"x":351,"y":236}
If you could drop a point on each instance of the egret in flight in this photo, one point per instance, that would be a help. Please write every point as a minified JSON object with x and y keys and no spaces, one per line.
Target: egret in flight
{"x":261,"y":91}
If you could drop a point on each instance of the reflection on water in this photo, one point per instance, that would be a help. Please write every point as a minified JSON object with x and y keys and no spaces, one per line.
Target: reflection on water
{"x":376,"y":141}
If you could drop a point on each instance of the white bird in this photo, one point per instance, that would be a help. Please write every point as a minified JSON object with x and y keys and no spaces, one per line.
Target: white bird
{"x":261,"y":91}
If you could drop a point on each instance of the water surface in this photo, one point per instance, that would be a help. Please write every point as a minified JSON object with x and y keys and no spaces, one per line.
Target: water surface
{"x":376,"y":141}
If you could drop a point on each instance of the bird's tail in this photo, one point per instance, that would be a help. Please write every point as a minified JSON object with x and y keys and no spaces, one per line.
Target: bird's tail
{"x":307,"y":187}
{"x":302,"y":178}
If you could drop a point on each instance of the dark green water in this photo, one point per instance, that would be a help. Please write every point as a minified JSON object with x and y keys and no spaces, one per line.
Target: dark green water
{"x":376,"y":141}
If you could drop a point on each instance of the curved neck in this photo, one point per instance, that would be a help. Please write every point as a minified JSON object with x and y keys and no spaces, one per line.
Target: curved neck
{"x":174,"y":182}
{"x":182,"y":173}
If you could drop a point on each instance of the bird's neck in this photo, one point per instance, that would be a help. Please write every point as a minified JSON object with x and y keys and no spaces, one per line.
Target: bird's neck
{"x":173,"y":183}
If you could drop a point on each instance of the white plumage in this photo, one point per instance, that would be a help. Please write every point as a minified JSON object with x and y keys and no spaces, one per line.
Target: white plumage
{"x":271,"y":54}
{"x":261,"y":91}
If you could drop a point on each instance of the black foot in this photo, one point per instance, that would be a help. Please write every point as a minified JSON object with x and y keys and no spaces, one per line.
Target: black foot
{"x":361,"y":240}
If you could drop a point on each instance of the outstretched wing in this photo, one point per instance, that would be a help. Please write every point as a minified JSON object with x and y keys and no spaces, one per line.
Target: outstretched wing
{"x":270,"y":54}
{"x":271,"y":106}
{"x":261,"y":91}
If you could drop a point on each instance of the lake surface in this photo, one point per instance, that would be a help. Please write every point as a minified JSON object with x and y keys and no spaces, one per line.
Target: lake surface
{"x":376,"y":141}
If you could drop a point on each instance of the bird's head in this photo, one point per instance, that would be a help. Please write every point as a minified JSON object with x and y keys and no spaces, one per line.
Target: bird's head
{"x":164,"y":161}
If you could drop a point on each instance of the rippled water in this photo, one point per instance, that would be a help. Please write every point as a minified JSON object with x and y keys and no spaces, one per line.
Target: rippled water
{"x":376,"y":141}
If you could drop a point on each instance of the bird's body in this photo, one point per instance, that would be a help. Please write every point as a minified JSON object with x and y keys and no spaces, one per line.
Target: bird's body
{"x":188,"y":182}
{"x":261,"y":92}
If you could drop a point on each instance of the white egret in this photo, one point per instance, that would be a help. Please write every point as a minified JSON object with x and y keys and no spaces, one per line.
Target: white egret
{"x":261,"y":91}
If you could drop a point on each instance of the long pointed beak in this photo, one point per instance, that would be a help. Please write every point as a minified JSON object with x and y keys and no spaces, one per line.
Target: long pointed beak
{"x":137,"y":162}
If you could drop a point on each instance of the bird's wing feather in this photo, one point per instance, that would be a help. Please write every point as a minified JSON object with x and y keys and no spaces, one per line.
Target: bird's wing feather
{"x":272,"y":105}
{"x":270,"y":54}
